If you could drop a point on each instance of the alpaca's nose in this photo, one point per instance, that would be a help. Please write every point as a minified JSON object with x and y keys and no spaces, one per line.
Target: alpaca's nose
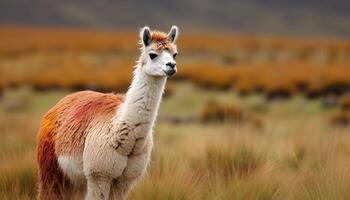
{"x":171,"y":64}
{"x":170,"y":68}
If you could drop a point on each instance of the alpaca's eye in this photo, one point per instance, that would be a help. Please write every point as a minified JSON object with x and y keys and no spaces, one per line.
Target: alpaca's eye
{"x":174,"y":56}
{"x":153,"y":55}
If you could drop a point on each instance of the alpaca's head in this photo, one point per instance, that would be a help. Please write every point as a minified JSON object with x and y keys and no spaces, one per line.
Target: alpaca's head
{"x":159,"y":52}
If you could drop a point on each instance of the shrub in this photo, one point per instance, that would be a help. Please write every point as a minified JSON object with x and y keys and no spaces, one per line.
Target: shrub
{"x":225,"y":162}
{"x":341,"y":118}
{"x":345,"y":103}
{"x":213,"y":112}
{"x":218,"y":113}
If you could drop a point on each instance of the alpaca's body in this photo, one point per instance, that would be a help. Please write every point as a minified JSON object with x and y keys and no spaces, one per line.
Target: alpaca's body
{"x":99,"y":142}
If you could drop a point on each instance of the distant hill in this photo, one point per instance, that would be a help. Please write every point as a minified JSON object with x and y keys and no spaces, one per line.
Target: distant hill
{"x":297,"y":17}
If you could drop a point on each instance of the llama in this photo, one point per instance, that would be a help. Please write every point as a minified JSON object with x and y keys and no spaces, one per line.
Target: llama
{"x":100,"y":144}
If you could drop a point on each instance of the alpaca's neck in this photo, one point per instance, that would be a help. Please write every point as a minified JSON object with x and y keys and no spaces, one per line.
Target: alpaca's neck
{"x":142,"y":99}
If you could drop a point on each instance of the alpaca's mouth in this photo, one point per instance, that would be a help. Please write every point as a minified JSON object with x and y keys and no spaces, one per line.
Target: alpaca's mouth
{"x":170,"y":72}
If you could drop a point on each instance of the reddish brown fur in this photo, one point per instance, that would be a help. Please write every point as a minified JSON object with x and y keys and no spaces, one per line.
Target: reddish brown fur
{"x":160,"y":41}
{"x":51,"y":179}
{"x":63,"y":131}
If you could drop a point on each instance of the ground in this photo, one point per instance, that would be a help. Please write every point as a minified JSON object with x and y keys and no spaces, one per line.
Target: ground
{"x":297,"y":154}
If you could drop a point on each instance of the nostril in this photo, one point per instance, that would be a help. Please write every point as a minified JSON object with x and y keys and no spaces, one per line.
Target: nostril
{"x":170,"y":64}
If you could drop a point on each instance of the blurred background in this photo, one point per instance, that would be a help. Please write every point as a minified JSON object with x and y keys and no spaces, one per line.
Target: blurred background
{"x":259,"y":109}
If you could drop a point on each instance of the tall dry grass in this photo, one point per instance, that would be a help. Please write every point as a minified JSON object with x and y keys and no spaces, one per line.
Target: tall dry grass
{"x":296,"y":156}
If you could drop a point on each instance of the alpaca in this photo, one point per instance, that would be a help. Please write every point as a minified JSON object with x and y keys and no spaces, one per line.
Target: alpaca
{"x":100,"y":144}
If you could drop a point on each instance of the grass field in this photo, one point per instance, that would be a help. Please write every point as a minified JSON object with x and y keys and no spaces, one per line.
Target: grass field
{"x":284,"y":135}
{"x":297,"y":154}
{"x":67,"y":58}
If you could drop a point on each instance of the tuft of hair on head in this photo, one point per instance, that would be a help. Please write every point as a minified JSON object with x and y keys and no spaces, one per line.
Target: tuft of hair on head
{"x":145,"y":35}
{"x":173,"y":33}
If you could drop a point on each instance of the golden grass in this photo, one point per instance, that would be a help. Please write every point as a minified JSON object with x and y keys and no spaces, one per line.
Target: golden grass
{"x":296,"y":156}
{"x":270,"y":78}
{"x":82,"y":59}
{"x":19,"y":39}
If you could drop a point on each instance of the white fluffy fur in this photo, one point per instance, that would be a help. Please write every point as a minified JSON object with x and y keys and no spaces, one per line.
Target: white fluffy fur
{"x":102,"y":162}
{"x":121,"y":149}
{"x":72,"y":169}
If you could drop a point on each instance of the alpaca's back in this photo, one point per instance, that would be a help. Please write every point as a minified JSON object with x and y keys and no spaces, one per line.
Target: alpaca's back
{"x":63,"y":131}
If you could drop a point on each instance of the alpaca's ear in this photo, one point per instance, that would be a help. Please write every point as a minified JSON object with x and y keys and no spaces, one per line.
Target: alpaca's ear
{"x":174,"y":32}
{"x":145,"y":35}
